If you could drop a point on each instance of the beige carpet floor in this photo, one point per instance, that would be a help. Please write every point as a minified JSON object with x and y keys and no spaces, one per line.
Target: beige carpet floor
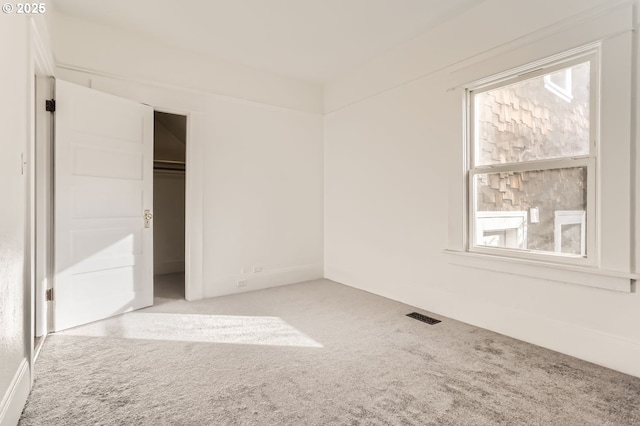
{"x":315,"y":353}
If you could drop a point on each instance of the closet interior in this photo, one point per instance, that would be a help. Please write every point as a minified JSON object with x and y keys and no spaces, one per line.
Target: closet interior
{"x":169,"y":172}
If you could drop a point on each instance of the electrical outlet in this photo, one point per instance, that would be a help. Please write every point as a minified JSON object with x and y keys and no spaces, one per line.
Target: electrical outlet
{"x":242,"y":283}
{"x":257,"y":269}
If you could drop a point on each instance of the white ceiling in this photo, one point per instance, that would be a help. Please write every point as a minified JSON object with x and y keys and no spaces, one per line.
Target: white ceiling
{"x":312,"y":40}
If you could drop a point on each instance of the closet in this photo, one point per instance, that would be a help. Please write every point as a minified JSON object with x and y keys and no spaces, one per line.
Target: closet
{"x":169,"y":166}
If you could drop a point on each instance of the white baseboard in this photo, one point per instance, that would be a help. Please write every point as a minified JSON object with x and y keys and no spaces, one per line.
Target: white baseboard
{"x":265,"y":279}
{"x":607,"y":350}
{"x":16,"y":396}
{"x":591,"y":345}
{"x":161,"y":268}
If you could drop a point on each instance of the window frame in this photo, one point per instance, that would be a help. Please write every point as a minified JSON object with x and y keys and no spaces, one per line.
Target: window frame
{"x":590,"y":161}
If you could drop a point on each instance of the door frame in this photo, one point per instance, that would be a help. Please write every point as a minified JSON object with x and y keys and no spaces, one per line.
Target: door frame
{"x":43,"y":186}
{"x":39,"y":193}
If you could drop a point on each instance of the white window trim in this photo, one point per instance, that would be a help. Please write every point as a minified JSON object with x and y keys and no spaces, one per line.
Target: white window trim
{"x":589,"y":161}
{"x":616,"y":268}
{"x":579,"y":275}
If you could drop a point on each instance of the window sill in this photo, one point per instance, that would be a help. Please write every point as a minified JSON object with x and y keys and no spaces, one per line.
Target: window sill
{"x":579,"y":275}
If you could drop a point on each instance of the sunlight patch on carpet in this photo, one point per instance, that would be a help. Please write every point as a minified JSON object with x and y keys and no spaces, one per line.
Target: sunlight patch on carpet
{"x":248,"y":330}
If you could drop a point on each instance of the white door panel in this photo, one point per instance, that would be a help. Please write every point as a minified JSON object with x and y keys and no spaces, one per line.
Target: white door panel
{"x":103,"y":185}
{"x":90,"y":161}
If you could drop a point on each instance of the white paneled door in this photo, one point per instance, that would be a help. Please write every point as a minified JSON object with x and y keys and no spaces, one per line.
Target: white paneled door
{"x":103,"y":188}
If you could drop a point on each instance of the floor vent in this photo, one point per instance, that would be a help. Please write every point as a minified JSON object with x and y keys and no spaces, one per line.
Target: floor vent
{"x":423,"y":318}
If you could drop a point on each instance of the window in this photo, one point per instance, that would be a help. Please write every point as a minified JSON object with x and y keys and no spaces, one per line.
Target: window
{"x":532,"y":162}
{"x":553,"y":138}
{"x":502,"y":229}
{"x":569,"y":232}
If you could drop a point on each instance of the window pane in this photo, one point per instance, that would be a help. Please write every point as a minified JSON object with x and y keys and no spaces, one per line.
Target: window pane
{"x":542,"y":210}
{"x":544,"y":117}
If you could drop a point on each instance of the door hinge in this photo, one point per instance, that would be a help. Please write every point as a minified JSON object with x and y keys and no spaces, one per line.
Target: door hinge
{"x":49,"y":295}
{"x":50,"y":105}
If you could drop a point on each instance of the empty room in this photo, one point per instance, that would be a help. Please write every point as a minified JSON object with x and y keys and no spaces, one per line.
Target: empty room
{"x":319,"y":212}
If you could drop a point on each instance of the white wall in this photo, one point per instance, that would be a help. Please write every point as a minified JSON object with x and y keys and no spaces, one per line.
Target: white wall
{"x":16,"y":86}
{"x":263,"y":204}
{"x":255,"y":165}
{"x":14,"y":39}
{"x":393,"y":133}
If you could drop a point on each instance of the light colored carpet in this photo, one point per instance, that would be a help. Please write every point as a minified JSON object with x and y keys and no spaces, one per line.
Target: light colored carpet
{"x":314,"y":353}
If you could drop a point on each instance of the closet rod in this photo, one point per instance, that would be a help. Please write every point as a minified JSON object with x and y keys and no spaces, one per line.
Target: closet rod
{"x":169,"y":162}
{"x":169,"y":171}
{"x":169,"y":166}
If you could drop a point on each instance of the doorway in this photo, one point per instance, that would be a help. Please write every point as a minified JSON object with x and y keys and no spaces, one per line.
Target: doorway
{"x":169,"y":183}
